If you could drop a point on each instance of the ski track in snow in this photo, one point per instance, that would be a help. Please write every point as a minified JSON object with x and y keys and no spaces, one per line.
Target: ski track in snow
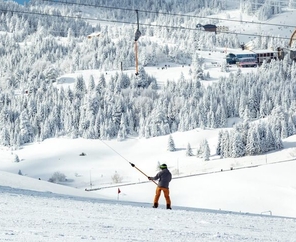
{"x":44,"y":216}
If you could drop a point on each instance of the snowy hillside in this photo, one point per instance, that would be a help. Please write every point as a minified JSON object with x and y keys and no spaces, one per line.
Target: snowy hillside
{"x":44,"y":216}
{"x":46,"y":211}
{"x":261,"y":187}
{"x":73,"y":116}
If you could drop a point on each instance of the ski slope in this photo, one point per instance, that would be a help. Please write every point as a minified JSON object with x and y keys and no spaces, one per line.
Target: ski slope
{"x":263,"y":184}
{"x":252,"y":204}
{"x":57,"y":214}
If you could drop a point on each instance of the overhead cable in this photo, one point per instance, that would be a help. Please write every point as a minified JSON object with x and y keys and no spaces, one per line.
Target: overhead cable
{"x":134,"y":23}
{"x":167,"y":13}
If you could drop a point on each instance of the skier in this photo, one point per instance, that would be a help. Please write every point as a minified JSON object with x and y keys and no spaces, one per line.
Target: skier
{"x":164,"y":177}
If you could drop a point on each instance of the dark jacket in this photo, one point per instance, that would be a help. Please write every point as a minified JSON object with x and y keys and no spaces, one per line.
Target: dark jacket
{"x":164,"y":177}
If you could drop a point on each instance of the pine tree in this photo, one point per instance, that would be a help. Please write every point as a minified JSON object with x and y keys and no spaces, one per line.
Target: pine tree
{"x":291,"y":126}
{"x":278,"y":142}
{"x":147,"y":131}
{"x":197,"y":70}
{"x":171,"y":144}
{"x":122,"y":129}
{"x":219,"y":145}
{"x":26,"y":130}
{"x":226,"y":145}
{"x":284,"y":129}
{"x":206,"y":150}
{"x":91,"y":84}
{"x":79,"y":87}
{"x":253,"y":104}
{"x":238,"y":147}
{"x":270,"y":140}
{"x":16,"y":158}
{"x":51,"y":74}
{"x":261,"y":130}
{"x":5,"y":137}
{"x":253,"y":144}
{"x":189,"y":150}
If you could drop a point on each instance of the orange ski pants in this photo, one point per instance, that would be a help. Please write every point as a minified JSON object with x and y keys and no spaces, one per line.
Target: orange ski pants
{"x":166,"y":193}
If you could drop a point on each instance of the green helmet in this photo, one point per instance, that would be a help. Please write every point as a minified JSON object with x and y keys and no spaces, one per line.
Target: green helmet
{"x":163,"y":166}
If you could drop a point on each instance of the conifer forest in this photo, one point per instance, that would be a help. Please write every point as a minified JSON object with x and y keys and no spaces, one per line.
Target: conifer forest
{"x":43,"y":40}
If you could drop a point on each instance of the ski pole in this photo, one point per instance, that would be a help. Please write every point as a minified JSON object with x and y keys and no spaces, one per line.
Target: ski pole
{"x":133,"y":165}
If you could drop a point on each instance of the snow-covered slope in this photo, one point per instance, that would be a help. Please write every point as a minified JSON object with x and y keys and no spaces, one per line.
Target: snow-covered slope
{"x":266,"y":184}
{"x":29,"y":215}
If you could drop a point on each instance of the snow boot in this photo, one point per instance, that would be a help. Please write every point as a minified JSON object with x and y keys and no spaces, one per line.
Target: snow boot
{"x":169,"y":206}
{"x":155,"y":205}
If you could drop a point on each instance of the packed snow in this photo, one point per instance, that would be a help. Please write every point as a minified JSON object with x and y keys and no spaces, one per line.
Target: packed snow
{"x":45,"y":216}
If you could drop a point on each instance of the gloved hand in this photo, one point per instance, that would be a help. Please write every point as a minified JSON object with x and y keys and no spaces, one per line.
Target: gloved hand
{"x":149,"y":178}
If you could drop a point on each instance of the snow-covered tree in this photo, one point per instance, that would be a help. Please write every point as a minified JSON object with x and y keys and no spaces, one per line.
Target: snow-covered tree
{"x":206,"y":150}
{"x":189,"y":150}
{"x":238,"y":146}
{"x":26,"y":130}
{"x":79,"y":87}
{"x":16,"y":158}
{"x":171,"y":144}
{"x":219,"y":145}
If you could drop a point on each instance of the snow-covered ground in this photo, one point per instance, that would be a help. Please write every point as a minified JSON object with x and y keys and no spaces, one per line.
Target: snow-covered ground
{"x":236,"y":204}
{"x":45,"y":216}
